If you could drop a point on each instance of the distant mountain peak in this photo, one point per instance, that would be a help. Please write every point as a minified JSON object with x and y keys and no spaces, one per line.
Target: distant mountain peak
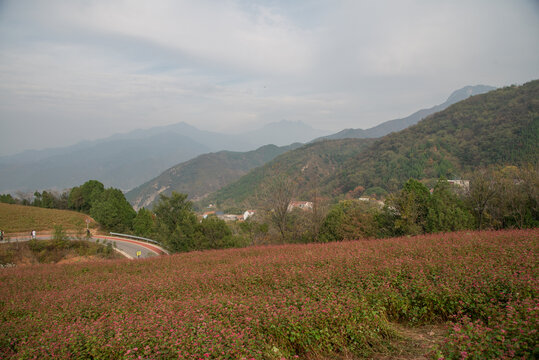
{"x":400,"y":124}
{"x":467,"y":91}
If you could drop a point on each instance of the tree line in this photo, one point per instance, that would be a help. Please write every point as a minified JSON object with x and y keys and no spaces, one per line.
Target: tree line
{"x":491,"y":198}
{"x":494,"y":198}
{"x":172,"y":222}
{"x":107,"y":206}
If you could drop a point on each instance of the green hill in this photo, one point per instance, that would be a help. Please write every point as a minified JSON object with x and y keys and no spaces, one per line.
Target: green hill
{"x":500,"y":127}
{"x":308,"y":165}
{"x":204,"y":174}
{"x":19,"y":218}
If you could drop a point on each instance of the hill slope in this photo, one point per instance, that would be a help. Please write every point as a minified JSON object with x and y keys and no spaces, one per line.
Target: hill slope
{"x":400,"y":124}
{"x":499,"y":127}
{"x":308,"y":165}
{"x":204,"y":174}
{"x":343,"y":300}
{"x":19,"y":218}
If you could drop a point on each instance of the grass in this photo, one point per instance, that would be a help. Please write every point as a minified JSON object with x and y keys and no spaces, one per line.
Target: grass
{"x":18,"y":218}
{"x":50,"y":251}
{"x":344,"y":300}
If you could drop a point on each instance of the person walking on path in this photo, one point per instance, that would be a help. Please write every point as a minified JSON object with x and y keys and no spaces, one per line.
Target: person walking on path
{"x":33,"y":234}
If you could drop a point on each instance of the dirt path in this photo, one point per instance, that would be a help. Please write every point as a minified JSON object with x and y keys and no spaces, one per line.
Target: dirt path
{"x":415,"y":342}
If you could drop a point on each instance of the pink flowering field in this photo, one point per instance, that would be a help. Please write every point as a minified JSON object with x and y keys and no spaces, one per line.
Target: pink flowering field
{"x":316,"y":301}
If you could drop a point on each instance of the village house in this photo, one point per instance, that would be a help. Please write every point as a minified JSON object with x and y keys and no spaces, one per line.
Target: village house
{"x":465,"y":184}
{"x":462,"y":185}
{"x":247,"y":214}
{"x":303,"y":205}
{"x":230,"y":217}
{"x":380,"y":203}
{"x":208,"y":213}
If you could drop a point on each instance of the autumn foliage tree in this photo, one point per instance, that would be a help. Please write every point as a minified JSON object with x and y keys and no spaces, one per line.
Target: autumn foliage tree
{"x":349,"y":220}
{"x":278,"y":195}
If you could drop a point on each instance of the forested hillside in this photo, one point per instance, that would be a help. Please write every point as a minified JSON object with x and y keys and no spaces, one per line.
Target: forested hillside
{"x":308,"y":166}
{"x":203,"y":174}
{"x":500,"y":127}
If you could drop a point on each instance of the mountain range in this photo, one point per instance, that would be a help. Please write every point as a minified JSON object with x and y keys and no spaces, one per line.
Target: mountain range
{"x":127,"y":160}
{"x":198,"y":177}
{"x":500,"y":127}
{"x":130,"y":159}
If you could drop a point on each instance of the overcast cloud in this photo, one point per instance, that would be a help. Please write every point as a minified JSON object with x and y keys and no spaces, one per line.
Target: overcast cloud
{"x":74,"y":69}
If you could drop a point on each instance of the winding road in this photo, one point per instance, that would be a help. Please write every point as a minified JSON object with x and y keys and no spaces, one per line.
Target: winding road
{"x":130,"y":247}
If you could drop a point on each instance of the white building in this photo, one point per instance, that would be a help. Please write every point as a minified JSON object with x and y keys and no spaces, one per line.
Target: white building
{"x":247,"y":214}
{"x":303,"y":205}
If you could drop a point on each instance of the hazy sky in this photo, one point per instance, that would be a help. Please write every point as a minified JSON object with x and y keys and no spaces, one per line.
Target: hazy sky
{"x":78,"y":69}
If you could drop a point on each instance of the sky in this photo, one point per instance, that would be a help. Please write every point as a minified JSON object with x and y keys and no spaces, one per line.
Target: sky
{"x":73,"y":70}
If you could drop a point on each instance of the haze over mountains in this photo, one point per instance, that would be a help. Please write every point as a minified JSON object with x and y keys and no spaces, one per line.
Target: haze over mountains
{"x":128,"y":160}
{"x":497,"y":128}
{"x":193,"y":177}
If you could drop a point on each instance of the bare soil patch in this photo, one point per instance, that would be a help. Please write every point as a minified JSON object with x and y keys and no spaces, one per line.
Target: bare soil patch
{"x":414,"y":343}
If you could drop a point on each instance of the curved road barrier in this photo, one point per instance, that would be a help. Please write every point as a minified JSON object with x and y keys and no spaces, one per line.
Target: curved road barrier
{"x":132,"y":247}
{"x":134,"y":237}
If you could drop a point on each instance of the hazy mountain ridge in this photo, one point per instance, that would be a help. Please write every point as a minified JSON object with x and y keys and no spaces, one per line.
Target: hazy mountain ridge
{"x":127,"y":160}
{"x":119,"y":163}
{"x":204,"y":174}
{"x":213,"y":140}
{"x":197,"y":183}
{"x":400,"y":124}
{"x":499,"y":127}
